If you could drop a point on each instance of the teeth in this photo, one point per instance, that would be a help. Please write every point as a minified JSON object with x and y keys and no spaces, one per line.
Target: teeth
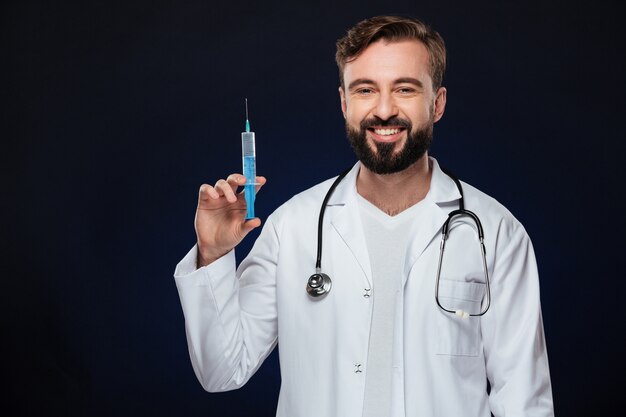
{"x":386,"y":132}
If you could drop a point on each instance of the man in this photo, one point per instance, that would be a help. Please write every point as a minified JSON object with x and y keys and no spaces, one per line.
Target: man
{"x":377,"y":344}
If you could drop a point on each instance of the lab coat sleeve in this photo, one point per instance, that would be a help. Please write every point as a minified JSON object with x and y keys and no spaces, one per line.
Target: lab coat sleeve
{"x":230,"y":316}
{"x":513,"y":336}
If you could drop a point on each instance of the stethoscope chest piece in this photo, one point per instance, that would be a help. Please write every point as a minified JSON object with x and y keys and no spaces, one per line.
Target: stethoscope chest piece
{"x":318,"y":285}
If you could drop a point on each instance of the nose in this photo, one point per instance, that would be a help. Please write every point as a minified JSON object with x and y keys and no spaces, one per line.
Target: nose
{"x":385,"y":107}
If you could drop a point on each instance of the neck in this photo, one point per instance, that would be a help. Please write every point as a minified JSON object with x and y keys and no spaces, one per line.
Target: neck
{"x":394,"y":193}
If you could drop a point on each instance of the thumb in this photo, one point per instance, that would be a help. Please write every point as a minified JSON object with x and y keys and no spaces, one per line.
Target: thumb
{"x":249,"y":225}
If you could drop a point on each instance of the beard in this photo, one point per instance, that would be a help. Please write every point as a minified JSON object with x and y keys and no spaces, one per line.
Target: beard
{"x":383,"y":158}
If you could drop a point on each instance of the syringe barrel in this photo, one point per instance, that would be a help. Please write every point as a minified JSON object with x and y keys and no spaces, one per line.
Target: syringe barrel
{"x":248,"y":153}
{"x":247,"y":144}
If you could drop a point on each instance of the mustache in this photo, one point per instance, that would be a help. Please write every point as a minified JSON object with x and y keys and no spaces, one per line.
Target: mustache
{"x":394,"y":121}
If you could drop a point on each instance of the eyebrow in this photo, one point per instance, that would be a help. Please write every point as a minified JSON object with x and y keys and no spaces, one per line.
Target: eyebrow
{"x":403,"y":80}
{"x":360,"y":81}
{"x":409,"y":80}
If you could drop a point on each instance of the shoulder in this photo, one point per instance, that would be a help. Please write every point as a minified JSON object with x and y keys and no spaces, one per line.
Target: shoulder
{"x":479,"y":199}
{"x":493,"y":214}
{"x":311,"y":195}
{"x":305,"y":203}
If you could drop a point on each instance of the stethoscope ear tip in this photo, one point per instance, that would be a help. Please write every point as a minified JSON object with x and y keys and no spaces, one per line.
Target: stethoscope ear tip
{"x":462,"y":314}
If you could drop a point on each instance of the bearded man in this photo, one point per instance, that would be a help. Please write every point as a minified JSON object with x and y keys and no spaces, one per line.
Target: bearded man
{"x":399,"y":330}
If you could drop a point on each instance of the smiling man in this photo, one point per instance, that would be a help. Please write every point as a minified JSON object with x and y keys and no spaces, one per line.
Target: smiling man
{"x":399,"y":330}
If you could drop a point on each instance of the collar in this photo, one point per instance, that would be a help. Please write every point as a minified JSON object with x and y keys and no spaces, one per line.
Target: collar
{"x":442,"y":187}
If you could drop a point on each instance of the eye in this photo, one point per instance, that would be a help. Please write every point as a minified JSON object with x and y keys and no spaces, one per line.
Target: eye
{"x":406,"y":90}
{"x":365,"y":91}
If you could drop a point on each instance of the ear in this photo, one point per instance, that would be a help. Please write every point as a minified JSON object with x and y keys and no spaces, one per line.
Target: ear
{"x":440,"y":103}
{"x":342,"y":98}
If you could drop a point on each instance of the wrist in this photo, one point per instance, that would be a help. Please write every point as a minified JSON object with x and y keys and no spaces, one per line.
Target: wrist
{"x":204,"y":258}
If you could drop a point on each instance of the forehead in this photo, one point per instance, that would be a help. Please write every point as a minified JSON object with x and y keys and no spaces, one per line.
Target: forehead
{"x":385,"y":61}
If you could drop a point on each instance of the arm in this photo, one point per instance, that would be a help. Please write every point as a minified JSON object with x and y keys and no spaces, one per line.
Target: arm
{"x":514,"y":343}
{"x":230,"y":320}
{"x":230,"y":317}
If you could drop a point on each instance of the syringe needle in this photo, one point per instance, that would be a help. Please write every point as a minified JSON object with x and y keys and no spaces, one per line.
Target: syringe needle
{"x":247,"y":120}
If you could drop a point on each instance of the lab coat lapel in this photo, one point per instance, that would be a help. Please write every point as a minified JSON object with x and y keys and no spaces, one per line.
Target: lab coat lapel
{"x":431,"y":216}
{"x":430,"y":220}
{"x":346,"y":221}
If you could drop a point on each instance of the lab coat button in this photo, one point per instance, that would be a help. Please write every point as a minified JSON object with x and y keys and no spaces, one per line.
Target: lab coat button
{"x":367,"y":293}
{"x":357,"y":368}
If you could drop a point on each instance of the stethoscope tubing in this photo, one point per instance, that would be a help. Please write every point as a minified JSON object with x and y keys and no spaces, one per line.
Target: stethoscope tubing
{"x":481,"y":240}
{"x":320,"y":224}
{"x":319,"y":284}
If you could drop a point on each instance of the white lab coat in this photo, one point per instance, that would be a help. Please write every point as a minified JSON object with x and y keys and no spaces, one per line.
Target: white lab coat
{"x":441,"y":362}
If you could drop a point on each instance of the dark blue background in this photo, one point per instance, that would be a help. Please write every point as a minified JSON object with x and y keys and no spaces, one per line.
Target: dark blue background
{"x":116,"y":113}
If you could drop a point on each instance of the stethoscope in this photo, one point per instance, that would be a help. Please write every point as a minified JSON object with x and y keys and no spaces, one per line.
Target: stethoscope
{"x":319,"y":284}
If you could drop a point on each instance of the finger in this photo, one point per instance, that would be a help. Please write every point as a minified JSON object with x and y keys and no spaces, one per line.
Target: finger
{"x":225,"y":189}
{"x":250,"y":225}
{"x":236,"y":180}
{"x":206,"y":192}
{"x":260,"y":182}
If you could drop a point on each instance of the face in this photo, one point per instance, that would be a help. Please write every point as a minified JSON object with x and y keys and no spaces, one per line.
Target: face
{"x":389,"y":105}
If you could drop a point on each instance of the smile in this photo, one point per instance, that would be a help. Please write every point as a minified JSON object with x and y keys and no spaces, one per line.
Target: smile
{"x":387,"y":134}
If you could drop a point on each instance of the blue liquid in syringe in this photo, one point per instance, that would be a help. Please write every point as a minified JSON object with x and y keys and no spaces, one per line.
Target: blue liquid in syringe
{"x":249,"y":170}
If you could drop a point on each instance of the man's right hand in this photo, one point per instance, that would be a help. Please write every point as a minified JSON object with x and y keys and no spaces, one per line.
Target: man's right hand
{"x":220,"y":218}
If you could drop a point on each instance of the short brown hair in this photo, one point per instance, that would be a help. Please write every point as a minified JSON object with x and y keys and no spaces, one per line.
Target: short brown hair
{"x":392,"y":28}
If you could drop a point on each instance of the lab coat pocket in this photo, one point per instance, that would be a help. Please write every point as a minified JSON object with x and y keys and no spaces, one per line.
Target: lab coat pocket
{"x":456,"y":335}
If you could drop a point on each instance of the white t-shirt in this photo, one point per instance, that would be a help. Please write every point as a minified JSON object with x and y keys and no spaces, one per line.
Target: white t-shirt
{"x":386,"y":237}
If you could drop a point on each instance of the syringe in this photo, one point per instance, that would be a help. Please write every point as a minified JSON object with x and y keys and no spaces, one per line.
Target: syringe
{"x":249,"y":166}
